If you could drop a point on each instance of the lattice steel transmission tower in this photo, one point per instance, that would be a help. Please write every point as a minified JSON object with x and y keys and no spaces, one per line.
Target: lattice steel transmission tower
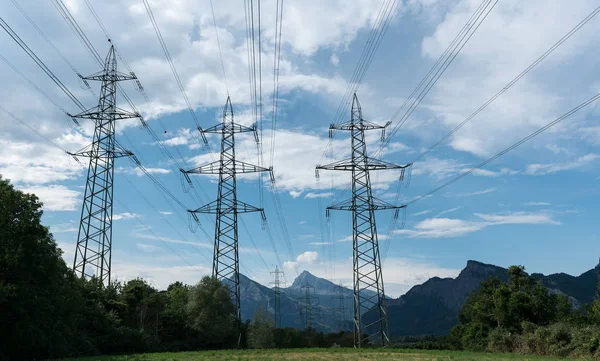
{"x":370,"y":312}
{"x":277,"y":288}
{"x":226,"y":266}
{"x":307,"y":304}
{"x":340,"y":309}
{"x":94,"y":240}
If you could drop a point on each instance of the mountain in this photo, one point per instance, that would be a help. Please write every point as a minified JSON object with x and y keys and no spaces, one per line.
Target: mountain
{"x":430,"y":308}
{"x":324,"y":301}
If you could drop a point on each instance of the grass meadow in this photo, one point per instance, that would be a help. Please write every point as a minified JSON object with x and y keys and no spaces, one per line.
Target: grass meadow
{"x":340,"y":354}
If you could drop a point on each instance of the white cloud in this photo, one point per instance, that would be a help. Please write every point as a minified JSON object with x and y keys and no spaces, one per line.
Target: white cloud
{"x":517,"y":218}
{"x":448,"y":211}
{"x":55,"y":197}
{"x":476,"y":193}
{"x":441,"y":228}
{"x":63,"y":228}
{"x":295,"y":194}
{"x":166,"y":213}
{"x":542,"y":169}
{"x":302,"y":222}
{"x":320,"y":243}
{"x":447,"y":227}
{"x":160,"y":276}
{"x":308,"y":257}
{"x":536,"y":204}
{"x":421,"y":213}
{"x":349,"y":238}
{"x":334,"y":60}
{"x":488,"y":62}
{"x":318,"y":195}
{"x":147,"y":247}
{"x":150,"y":170}
{"x":125,"y":215}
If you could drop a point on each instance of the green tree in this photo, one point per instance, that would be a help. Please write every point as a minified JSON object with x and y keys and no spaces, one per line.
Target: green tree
{"x":500,"y":309}
{"x":37,"y":304}
{"x":211,"y":312}
{"x":261,"y":333}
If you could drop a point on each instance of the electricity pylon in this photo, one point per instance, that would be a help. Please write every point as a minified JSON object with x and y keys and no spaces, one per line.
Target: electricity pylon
{"x":94,"y":240}
{"x":370,"y":312}
{"x":277,"y":288}
{"x":307,"y":303}
{"x":226,"y":266}
{"x":340,"y":310}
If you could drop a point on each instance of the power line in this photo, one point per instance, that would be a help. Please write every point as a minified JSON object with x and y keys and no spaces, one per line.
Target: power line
{"x":276,"y":64}
{"x":511,"y":83}
{"x":515,"y":145}
{"x":219,"y":45}
{"x":371,"y":46}
{"x":446,"y":59}
{"x":492,"y":99}
{"x":39,"y":62}
{"x":43,"y":35}
{"x":436,"y":71}
{"x":172,"y":65}
{"x":24,"y":77}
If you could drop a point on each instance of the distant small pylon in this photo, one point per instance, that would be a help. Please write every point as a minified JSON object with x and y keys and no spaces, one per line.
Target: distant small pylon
{"x":277,"y":288}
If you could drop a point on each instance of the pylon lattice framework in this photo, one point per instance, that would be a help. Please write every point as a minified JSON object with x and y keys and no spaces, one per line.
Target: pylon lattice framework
{"x":340,"y":309}
{"x":308,"y":304}
{"x":226,"y":266}
{"x":370,"y":312}
{"x":94,"y":240}
{"x":277,"y":288}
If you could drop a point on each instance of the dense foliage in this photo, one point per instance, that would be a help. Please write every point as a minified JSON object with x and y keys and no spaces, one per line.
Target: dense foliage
{"x":522,"y":316}
{"x":46,"y":312}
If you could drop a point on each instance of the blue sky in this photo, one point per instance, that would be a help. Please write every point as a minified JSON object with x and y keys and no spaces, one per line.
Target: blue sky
{"x":535,"y":206}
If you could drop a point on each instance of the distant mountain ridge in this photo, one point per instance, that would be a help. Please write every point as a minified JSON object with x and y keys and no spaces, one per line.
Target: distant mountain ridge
{"x":430,"y":308}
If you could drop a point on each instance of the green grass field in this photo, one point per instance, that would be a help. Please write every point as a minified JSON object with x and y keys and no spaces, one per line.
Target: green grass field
{"x":319,"y":355}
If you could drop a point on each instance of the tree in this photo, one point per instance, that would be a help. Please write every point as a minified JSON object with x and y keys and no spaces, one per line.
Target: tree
{"x":211,"y":312}
{"x":500,"y":309}
{"x":261,"y":333}
{"x":37,"y":304}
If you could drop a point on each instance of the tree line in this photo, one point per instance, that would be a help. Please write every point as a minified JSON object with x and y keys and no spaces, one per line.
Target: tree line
{"x":47,"y":312}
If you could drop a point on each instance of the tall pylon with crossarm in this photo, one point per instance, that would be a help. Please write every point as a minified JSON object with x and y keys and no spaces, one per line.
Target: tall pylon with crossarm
{"x":94,"y":240}
{"x":370,"y":313}
{"x":226,"y":265}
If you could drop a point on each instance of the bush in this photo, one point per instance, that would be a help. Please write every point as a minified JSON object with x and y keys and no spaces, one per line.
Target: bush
{"x":501,"y":340}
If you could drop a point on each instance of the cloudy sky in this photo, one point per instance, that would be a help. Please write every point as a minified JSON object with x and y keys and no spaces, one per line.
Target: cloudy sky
{"x":535,"y":206}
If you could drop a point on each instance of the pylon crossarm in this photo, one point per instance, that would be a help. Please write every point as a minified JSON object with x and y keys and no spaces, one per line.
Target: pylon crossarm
{"x":239,"y":207}
{"x":362,"y":125}
{"x":228,"y":127}
{"x":372,"y":164}
{"x":215,"y":168}
{"x":97,"y":113}
{"x":102,"y":75}
{"x":88,"y":153}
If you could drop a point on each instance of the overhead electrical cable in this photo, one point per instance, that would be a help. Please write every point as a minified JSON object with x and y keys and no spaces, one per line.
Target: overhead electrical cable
{"x":39,"y":62}
{"x":511,"y":83}
{"x":536,"y":62}
{"x":515,"y":145}
{"x":276,"y":64}
{"x":380,"y":25}
{"x":212,"y":8}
